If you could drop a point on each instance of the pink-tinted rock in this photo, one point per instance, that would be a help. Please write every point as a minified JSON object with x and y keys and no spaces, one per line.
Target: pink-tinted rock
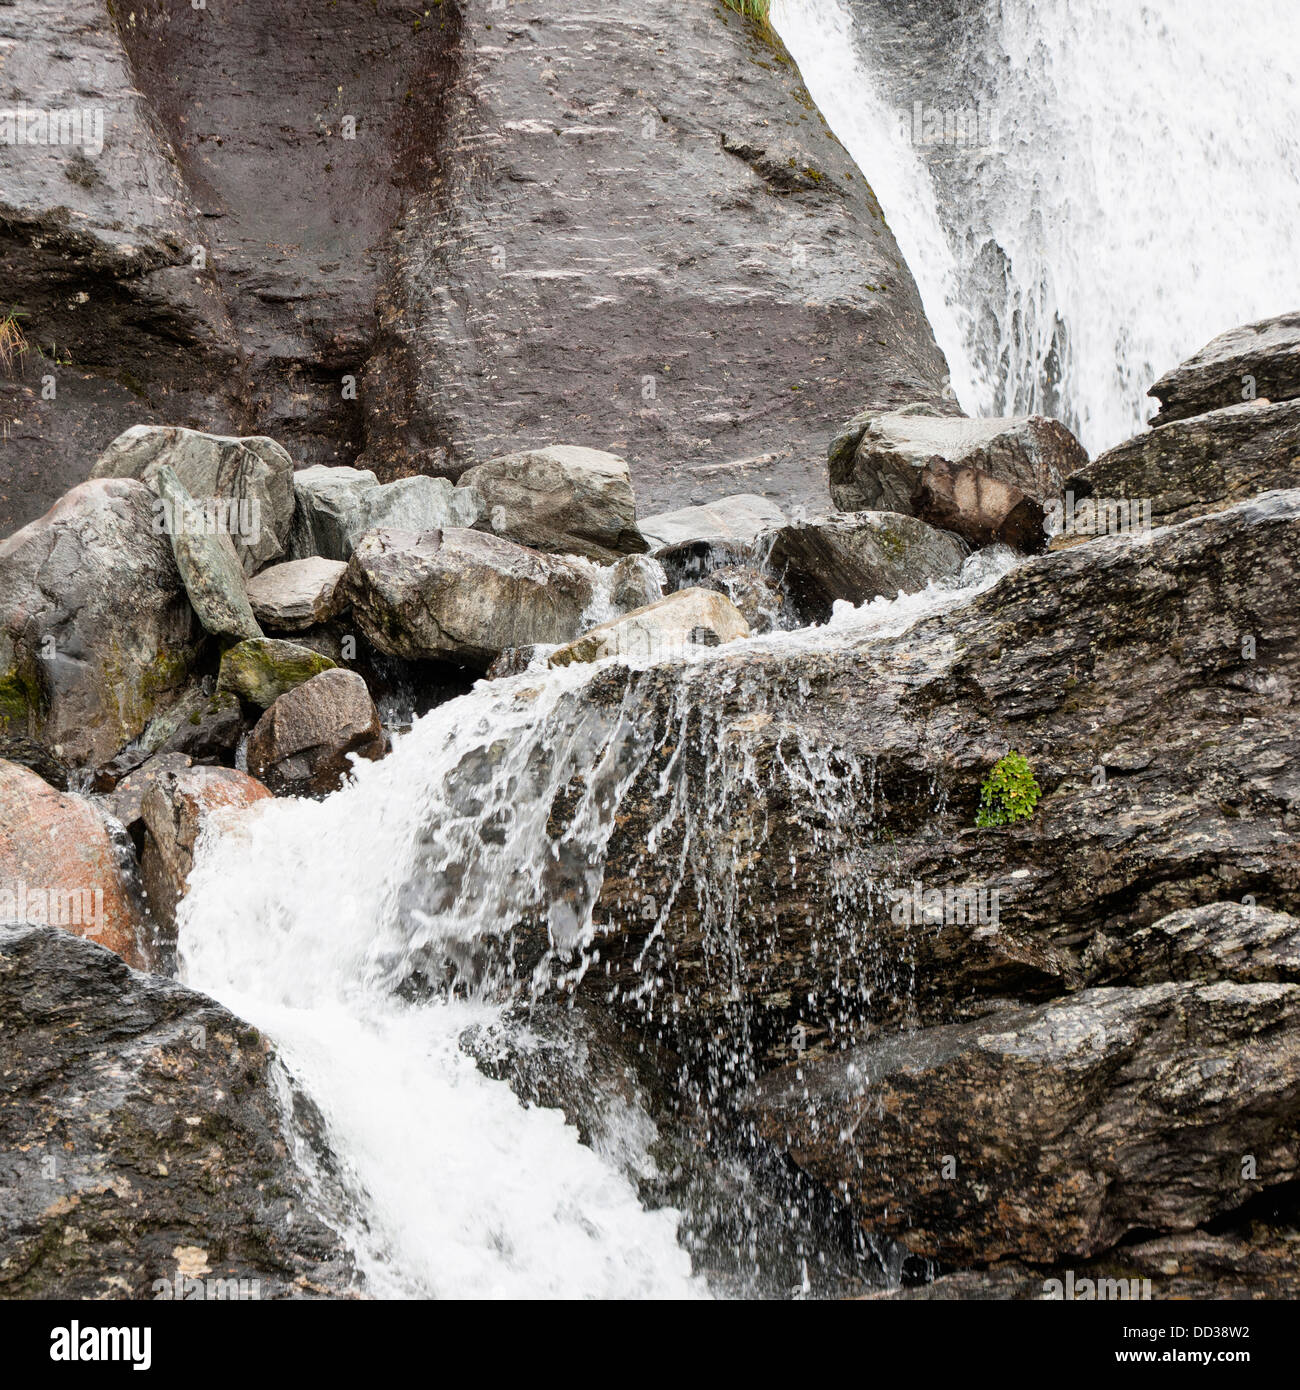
{"x":59,"y":866}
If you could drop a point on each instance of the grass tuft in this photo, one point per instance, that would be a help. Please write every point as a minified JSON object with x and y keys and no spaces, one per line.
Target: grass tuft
{"x":752,"y":9}
{"x":13,"y":342}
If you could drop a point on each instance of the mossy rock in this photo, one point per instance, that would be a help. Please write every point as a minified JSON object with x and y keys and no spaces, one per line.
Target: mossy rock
{"x":261,"y":669}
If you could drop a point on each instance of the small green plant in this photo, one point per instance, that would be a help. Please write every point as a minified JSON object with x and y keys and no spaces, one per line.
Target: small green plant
{"x":13,"y":342}
{"x":752,"y":9}
{"x":1009,"y":793}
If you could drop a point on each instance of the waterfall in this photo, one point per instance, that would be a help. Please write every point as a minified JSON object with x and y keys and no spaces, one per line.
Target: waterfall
{"x":1114,"y":204}
{"x":333,"y":926}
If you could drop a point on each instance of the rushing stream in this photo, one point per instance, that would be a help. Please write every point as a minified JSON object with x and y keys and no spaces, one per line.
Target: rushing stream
{"x":310,"y":919}
{"x":1115,"y":202}
{"x":1056,"y":281}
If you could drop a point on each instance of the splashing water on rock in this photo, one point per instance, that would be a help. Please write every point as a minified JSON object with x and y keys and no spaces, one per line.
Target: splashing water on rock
{"x":1115,"y":203}
{"x":336,"y":926}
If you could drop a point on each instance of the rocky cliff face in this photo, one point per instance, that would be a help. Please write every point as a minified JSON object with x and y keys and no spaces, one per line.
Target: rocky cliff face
{"x":423,"y":240}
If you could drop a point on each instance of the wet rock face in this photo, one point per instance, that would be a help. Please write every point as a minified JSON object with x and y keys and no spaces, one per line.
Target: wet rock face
{"x":1053,"y":1132}
{"x":819,"y":786}
{"x":132,"y":1096}
{"x":1192,"y":466}
{"x":987,"y":480}
{"x":98,"y":635}
{"x":1258,"y":361}
{"x":480,"y":245}
{"x":576,"y":230}
{"x":462,"y":595}
{"x":97,"y":241}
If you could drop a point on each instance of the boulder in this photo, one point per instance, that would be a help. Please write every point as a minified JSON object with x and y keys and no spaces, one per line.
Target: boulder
{"x":987,"y":480}
{"x":413,"y":504}
{"x":685,"y":619}
{"x":759,"y":600}
{"x":96,"y":632}
{"x":203,"y":723}
{"x":857,"y":558}
{"x":28,"y":753}
{"x":1260,"y":361}
{"x":175,"y":806}
{"x":328,"y":503}
{"x":740,"y":517}
{"x":125,"y":803}
{"x":208,"y":563}
{"x":563,"y":500}
{"x":462,"y":595}
{"x":111,"y":1185}
{"x":263,"y":668}
{"x":304,"y":742}
{"x":298,"y":594}
{"x":248,"y":481}
{"x":635,"y":581}
{"x":58,"y":866}
{"x":512,"y":662}
{"x":1045,"y":1133}
{"x":1185,"y":469}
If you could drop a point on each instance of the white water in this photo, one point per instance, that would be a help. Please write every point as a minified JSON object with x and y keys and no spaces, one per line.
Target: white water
{"x":1142,"y":182}
{"x":304,"y":917}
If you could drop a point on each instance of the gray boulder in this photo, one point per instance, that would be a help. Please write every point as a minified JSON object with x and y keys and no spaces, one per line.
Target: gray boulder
{"x":1259,"y":361}
{"x":462,"y":595}
{"x":174,"y":807}
{"x":856,"y":558}
{"x":740,"y":517}
{"x":754,"y":593}
{"x":987,"y":480}
{"x":563,"y":500}
{"x":208,"y":563}
{"x":327,"y":510}
{"x":303,"y":744}
{"x":298,"y":594}
{"x":635,"y":581}
{"x":337,"y":506}
{"x":97,"y":635}
{"x":414,"y":504}
{"x":246,"y":482}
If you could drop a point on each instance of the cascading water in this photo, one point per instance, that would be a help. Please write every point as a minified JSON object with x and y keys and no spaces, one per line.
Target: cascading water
{"x":1115,"y":202}
{"x":334,"y":926}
